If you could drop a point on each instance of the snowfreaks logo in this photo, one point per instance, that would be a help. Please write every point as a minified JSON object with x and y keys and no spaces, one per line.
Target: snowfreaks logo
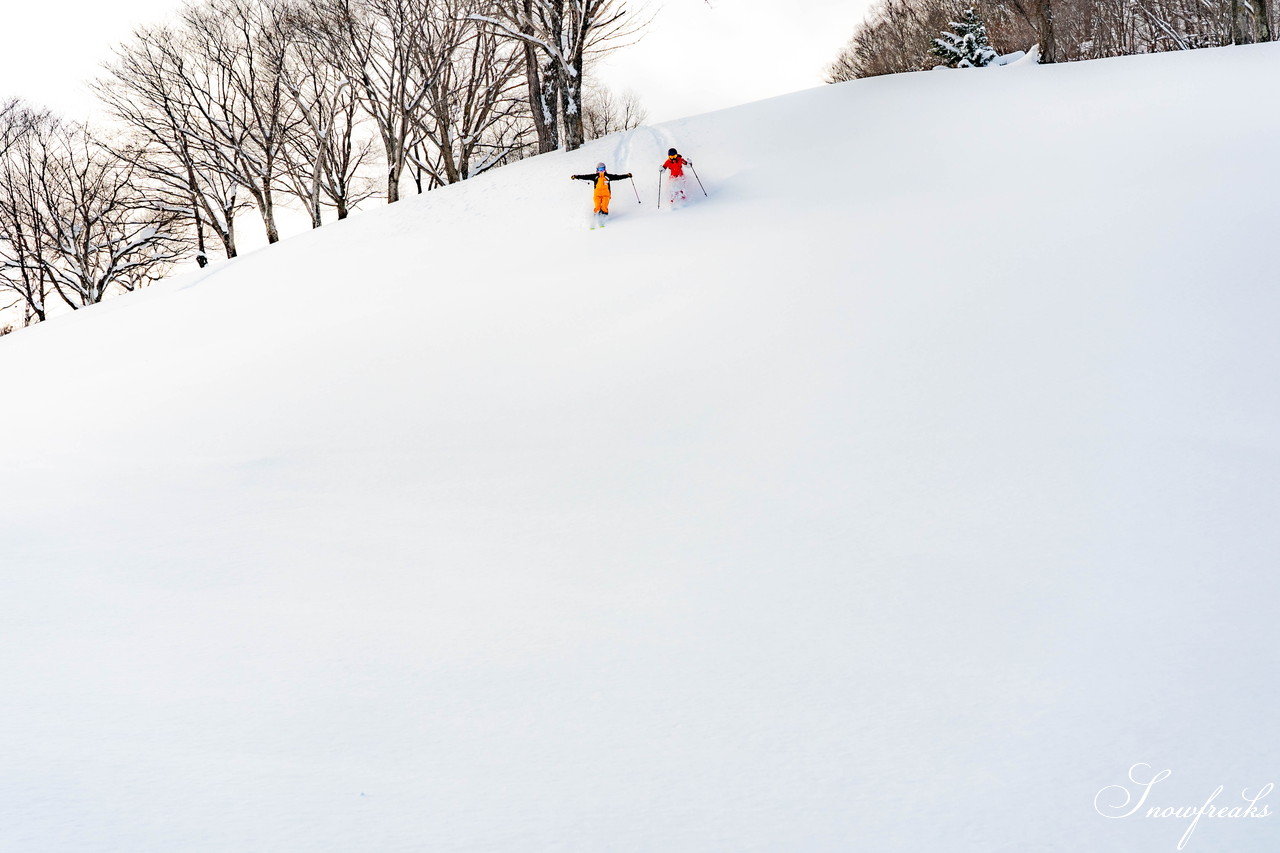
{"x":1121,"y":801}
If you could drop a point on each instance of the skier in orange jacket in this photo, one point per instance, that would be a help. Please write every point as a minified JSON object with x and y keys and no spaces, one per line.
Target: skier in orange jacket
{"x":601,"y":177}
{"x":675,"y":182}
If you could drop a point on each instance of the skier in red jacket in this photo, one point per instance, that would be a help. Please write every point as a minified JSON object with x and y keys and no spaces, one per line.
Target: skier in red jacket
{"x":675,"y":181}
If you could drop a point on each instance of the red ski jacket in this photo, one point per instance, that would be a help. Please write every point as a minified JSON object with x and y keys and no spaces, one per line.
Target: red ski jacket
{"x":676,"y":164}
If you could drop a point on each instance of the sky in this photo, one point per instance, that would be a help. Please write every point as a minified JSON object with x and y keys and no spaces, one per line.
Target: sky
{"x":694,"y":58}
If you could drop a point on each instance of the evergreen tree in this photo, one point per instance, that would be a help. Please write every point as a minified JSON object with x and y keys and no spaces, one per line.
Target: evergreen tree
{"x":967,"y":46}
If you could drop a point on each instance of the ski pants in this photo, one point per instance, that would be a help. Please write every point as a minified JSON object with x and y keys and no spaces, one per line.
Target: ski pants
{"x":675,"y":188}
{"x":602,"y":203}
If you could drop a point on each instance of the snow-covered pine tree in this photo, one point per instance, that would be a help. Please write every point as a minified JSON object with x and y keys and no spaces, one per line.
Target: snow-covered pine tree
{"x":967,"y":46}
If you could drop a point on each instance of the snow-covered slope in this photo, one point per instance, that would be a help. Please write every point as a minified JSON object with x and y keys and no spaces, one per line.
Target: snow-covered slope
{"x":901,"y":496}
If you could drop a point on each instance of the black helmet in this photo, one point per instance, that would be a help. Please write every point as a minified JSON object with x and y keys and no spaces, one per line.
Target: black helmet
{"x":671,"y":152}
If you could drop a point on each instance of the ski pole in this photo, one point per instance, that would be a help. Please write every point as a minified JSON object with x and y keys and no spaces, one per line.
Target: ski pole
{"x":699,"y":180}
{"x":659,"y":188}
{"x":634,"y":190}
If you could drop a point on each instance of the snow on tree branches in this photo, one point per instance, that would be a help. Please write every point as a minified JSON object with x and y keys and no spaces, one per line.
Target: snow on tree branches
{"x":967,"y":46}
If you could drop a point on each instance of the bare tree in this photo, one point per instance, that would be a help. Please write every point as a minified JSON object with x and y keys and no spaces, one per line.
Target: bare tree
{"x":1043,"y":15}
{"x":75,"y":222}
{"x":890,"y":38}
{"x":100,"y":230}
{"x":894,"y":37}
{"x":531,"y":25}
{"x":562,"y":35}
{"x":22,"y":271}
{"x":326,"y":150}
{"x":472,"y":117}
{"x":604,"y":112}
{"x":237,"y":49}
{"x":375,"y":44}
{"x":151,"y":87}
{"x":12,"y":123}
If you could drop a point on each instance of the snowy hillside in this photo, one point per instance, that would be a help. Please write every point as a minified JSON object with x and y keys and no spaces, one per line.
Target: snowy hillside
{"x":900,"y":496}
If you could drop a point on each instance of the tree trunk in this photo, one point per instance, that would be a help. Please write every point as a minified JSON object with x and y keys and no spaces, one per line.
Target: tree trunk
{"x":549,"y":103}
{"x":396,"y":156}
{"x":229,"y":236}
{"x":269,"y":217}
{"x":317,"y":176}
{"x":571,"y":106}
{"x":202,"y":257}
{"x":1044,"y":24}
{"x":544,"y":123}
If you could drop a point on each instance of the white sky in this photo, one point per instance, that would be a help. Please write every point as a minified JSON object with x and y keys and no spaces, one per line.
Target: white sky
{"x":695,"y":57}
{"x":52,"y":47}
